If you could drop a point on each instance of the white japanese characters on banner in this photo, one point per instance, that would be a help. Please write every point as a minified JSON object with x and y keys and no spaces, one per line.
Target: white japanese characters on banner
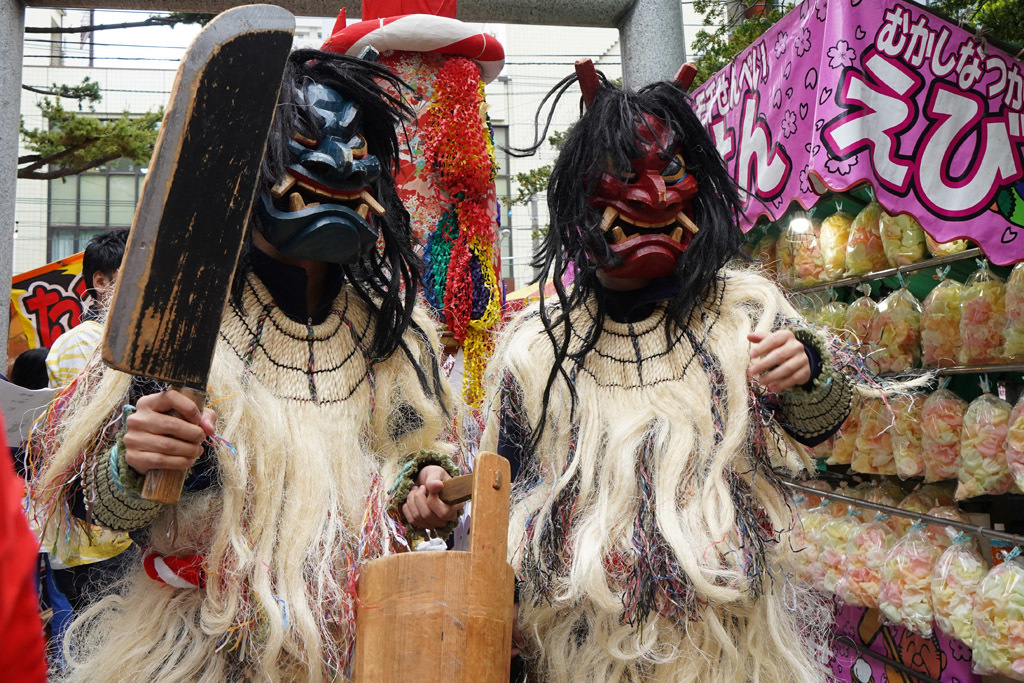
{"x":846,"y":92}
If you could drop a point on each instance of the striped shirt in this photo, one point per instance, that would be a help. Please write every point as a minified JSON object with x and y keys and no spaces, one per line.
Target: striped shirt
{"x":71,"y":352}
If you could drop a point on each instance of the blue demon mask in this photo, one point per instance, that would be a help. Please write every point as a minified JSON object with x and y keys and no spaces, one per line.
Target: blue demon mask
{"x":320,"y":209}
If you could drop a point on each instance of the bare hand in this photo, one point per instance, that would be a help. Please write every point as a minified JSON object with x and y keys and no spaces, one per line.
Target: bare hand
{"x":424,"y":507}
{"x":779,"y":360}
{"x":156,"y":440}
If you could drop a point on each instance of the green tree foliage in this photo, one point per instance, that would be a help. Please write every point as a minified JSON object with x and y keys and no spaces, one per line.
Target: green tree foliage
{"x":535,"y":182}
{"x":70,"y":142}
{"x":1002,"y":20}
{"x":738,"y":24}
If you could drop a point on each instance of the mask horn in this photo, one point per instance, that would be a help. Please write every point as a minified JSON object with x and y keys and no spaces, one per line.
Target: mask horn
{"x":684,"y":77}
{"x":587,"y":76}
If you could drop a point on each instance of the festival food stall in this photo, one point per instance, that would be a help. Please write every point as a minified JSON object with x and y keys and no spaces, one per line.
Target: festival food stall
{"x":878,"y":150}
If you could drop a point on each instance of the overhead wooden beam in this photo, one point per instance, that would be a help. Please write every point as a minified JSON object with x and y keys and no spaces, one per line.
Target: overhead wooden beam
{"x":602,"y":13}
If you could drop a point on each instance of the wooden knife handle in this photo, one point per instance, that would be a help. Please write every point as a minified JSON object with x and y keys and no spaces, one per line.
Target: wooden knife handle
{"x":164,"y":486}
{"x":457,"y":490}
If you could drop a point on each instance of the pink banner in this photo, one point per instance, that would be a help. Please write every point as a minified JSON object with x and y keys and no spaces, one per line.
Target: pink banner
{"x":844,"y":92}
{"x":938,"y":657}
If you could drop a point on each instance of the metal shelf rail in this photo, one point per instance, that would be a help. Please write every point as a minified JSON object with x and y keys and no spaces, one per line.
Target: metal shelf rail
{"x":937,"y":521}
{"x":891,"y":272}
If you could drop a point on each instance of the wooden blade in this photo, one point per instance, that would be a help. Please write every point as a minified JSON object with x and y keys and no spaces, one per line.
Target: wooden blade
{"x":195,"y":204}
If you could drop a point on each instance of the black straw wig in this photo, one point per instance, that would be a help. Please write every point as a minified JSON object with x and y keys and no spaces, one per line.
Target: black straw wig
{"x":387,"y":279}
{"x":606,"y":136}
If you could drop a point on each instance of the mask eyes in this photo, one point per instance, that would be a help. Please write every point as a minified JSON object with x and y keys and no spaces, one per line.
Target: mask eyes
{"x":675,"y":170}
{"x":358,"y":146}
{"x":626,"y":176}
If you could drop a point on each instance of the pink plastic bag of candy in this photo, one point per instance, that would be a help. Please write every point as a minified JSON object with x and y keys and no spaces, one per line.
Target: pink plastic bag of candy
{"x":905,"y":595}
{"x":957,"y":575}
{"x":902,"y":239}
{"x":999,"y":620}
{"x":982,"y":467}
{"x":1013,"y":333}
{"x":942,"y":419}
{"x":1015,"y":443}
{"x":864,"y":250}
{"x":873,"y":453}
{"x":865,"y":555}
{"x":835,"y":232}
{"x":982,"y":318}
{"x":845,"y":441}
{"x":938,"y":249}
{"x":940,"y":325}
{"x":859,"y":316}
{"x":895,"y":338}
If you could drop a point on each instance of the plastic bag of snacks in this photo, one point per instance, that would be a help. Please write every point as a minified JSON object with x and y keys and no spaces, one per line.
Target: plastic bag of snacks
{"x":883,"y":492}
{"x":921,"y":500}
{"x":845,"y":441}
{"x":902,"y":239}
{"x":1015,"y":443}
{"x":905,"y":595}
{"x":942,"y":536}
{"x":940,"y":325}
{"x":809,"y":500}
{"x":873,"y":453}
{"x":999,"y":619}
{"x":805,"y":543}
{"x":938,"y":249}
{"x":784,"y":258}
{"x":895,"y":338}
{"x":982,"y":467}
{"x":864,"y":251}
{"x":865,"y":555}
{"x":957,"y":575}
{"x":808,"y":268}
{"x":942,"y":418}
{"x":835,"y":231}
{"x":763,"y":251}
{"x":982,"y":318}
{"x":832,"y":316}
{"x":833,"y":540}
{"x":859,"y":316}
{"x":1013,"y":333}
{"x":906,"y":435}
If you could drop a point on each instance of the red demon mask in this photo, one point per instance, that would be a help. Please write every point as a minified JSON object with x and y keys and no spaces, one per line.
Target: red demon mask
{"x":647,"y":210}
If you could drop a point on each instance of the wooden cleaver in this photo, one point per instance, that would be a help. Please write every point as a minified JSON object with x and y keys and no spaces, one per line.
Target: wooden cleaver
{"x":192,"y":216}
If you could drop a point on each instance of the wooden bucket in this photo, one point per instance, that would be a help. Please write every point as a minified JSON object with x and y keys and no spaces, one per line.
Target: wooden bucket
{"x":443,"y":617}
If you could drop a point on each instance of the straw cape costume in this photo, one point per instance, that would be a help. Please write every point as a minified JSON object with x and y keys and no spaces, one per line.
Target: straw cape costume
{"x":318,"y":407}
{"x":649,"y":529}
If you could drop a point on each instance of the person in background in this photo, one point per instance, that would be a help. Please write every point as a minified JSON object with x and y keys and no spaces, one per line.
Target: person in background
{"x":95,"y":558}
{"x":72,"y":350}
{"x":29,"y":369}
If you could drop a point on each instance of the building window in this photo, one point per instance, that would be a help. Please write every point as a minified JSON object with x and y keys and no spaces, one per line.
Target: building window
{"x":86,"y":204}
{"x":503,"y":188}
